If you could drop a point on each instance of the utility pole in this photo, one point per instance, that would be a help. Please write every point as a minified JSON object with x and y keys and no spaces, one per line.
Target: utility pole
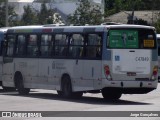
{"x":6,"y":11}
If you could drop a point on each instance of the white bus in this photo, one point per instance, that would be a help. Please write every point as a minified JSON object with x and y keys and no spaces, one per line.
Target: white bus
{"x":158,"y":41}
{"x":111,"y":59}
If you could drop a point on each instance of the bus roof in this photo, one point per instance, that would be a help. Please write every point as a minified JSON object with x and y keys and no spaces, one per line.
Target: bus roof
{"x":4,"y":29}
{"x":158,"y":36}
{"x":58,"y":29}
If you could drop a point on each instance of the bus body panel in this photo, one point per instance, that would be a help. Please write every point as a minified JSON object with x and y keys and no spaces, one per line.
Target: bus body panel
{"x":8,"y":74}
{"x":131,"y":63}
{"x":47,"y":74}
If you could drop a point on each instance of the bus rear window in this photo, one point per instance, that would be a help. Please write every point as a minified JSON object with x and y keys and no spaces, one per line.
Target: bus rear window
{"x":131,"y":39}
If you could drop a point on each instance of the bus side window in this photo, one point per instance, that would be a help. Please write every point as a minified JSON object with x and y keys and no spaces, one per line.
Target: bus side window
{"x":10,"y":45}
{"x":21,"y":45}
{"x":1,"y":47}
{"x":1,"y":42}
{"x":93,"y":46}
{"x":61,"y":45}
{"x":46,"y":45}
{"x":32,"y":47}
{"x":76,"y":45}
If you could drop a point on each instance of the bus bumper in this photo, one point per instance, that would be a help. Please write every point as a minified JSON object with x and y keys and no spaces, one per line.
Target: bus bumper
{"x":132,"y":87}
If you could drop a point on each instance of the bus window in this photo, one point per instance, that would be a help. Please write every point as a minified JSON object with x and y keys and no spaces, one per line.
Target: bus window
{"x":61,"y":45}
{"x":21,"y":45}
{"x":1,"y":42}
{"x":158,"y":41}
{"x":93,"y":49}
{"x":10,"y":45}
{"x":123,"y":39}
{"x":76,"y":45}
{"x":147,"y":39}
{"x":32,"y":47}
{"x":46,"y":45}
{"x":132,"y":39}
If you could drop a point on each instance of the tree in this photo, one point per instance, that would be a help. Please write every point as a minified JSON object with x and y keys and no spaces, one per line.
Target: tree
{"x":43,"y":14}
{"x":12,"y":15}
{"x":86,"y":14}
{"x":157,"y":26}
{"x":142,"y":22}
{"x":29,"y":17}
{"x":48,"y":15}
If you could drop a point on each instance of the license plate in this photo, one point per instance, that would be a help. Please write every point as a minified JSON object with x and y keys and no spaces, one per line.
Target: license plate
{"x":131,"y":74}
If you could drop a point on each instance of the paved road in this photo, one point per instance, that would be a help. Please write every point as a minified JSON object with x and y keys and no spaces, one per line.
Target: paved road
{"x":48,"y":100}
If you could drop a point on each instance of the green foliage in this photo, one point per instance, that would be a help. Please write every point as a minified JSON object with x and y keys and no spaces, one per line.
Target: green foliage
{"x":11,"y":12}
{"x":142,"y":22}
{"x":44,"y":16}
{"x":157,"y":26}
{"x":29,"y":16}
{"x":114,"y":6}
{"x":86,"y":14}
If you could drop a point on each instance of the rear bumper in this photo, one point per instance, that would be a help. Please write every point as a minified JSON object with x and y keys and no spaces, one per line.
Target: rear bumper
{"x":131,"y":87}
{"x":132,"y":90}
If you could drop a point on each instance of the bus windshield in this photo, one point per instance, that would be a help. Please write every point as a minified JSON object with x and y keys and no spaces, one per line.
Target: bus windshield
{"x":131,"y":39}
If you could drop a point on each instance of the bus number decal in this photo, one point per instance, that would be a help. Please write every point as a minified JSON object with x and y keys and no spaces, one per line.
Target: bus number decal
{"x":142,"y":58}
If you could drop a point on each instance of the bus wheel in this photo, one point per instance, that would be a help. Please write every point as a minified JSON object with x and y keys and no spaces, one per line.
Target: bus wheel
{"x":66,"y":87}
{"x":59,"y":93}
{"x":20,"y":85}
{"x":77,"y":94}
{"x":111,"y":94}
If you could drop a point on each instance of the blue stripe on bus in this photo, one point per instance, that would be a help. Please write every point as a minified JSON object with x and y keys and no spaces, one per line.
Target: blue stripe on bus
{"x":89,"y":29}
{"x":37,"y":30}
{"x":154,"y":55}
{"x":106,"y":54}
{"x":58,"y":30}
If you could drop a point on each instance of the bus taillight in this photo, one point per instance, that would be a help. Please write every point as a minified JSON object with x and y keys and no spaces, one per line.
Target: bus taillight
{"x":107,"y":72}
{"x":155,"y":72}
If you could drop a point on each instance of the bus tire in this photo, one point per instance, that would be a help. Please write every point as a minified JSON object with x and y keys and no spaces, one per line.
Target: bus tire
{"x":20,"y":85}
{"x":111,"y":94}
{"x":77,"y":95}
{"x":66,"y":87}
{"x":59,"y":93}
